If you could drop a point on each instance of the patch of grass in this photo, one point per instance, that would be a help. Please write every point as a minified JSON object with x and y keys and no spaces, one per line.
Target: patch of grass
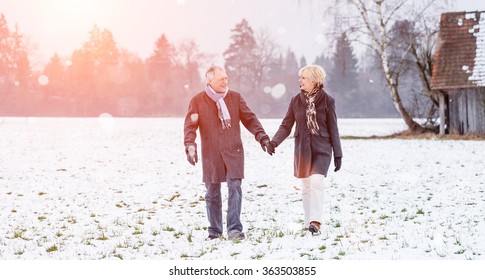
{"x":427,"y":135}
{"x":71,"y":220}
{"x":19,"y":233}
{"x":42,"y":193}
{"x":41,"y":218}
{"x":168,"y":228}
{"x":257,"y":256}
{"x":103,"y":237}
{"x":322,"y":248}
{"x":52,"y":248}
{"x":173,"y":197}
{"x":420,"y":212}
{"x":19,"y":252}
{"x":460,"y":252}
{"x":137,"y":232}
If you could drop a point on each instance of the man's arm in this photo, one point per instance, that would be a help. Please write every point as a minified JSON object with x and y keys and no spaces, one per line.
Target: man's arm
{"x":191,"y":123}
{"x":251,"y":121}
{"x":190,"y":132}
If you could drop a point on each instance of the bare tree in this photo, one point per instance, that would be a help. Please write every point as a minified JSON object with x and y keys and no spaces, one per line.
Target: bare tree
{"x":267,"y":52}
{"x":369,"y":22}
{"x":191,"y":59}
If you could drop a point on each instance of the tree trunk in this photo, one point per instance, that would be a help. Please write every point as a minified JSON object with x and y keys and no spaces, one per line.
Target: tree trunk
{"x":396,"y":99}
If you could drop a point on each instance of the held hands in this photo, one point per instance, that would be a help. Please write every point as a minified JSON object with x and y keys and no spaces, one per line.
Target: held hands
{"x":191,"y":152}
{"x":338,"y":163}
{"x":267,"y":146}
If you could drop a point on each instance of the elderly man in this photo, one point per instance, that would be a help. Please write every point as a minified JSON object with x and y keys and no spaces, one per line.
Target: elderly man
{"x":217,"y":112}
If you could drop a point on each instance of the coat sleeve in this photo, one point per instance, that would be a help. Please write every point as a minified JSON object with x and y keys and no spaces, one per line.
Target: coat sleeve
{"x":191,"y":123}
{"x":251,"y":121}
{"x":286,"y":124}
{"x":333,"y":128}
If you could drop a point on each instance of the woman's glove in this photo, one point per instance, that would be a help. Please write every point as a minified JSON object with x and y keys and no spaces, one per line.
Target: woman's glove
{"x":267,"y":146}
{"x":338,"y":163}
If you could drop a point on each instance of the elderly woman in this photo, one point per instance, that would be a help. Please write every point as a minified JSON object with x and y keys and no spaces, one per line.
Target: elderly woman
{"x":316,"y":136}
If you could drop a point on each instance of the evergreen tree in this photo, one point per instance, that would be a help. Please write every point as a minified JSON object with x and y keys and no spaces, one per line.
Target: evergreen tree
{"x":15,"y":69}
{"x":303,"y":62}
{"x":290,"y":76}
{"x":5,"y":56}
{"x":240,"y":58}
{"x":343,"y":82}
{"x":161,"y":72}
{"x":56,"y":73}
{"x":91,"y":73}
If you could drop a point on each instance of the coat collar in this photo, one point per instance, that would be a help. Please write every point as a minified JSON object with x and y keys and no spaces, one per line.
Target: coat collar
{"x":321,"y":95}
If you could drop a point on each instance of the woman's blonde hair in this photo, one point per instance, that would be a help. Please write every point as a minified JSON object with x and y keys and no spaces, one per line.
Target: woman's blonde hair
{"x":314,"y":73}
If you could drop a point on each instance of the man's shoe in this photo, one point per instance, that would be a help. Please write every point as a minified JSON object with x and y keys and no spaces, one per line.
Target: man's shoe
{"x":212,"y":237}
{"x":236,"y":235}
{"x":314,"y":228}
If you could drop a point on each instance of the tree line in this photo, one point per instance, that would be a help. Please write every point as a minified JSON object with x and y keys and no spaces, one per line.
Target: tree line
{"x":102,"y":77}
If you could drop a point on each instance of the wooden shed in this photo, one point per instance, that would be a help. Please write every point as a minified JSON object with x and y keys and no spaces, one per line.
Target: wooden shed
{"x":459,"y":72}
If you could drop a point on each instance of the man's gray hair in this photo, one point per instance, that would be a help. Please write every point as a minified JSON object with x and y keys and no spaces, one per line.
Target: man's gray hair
{"x":210,"y":73}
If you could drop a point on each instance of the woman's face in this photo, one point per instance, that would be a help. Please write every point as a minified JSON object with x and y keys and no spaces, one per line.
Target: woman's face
{"x":305,"y":84}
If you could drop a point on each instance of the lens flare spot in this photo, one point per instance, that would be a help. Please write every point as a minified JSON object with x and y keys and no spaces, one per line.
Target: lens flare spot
{"x":194,"y":117}
{"x":107,"y":123}
{"x":43,"y":80}
{"x":278,"y":91}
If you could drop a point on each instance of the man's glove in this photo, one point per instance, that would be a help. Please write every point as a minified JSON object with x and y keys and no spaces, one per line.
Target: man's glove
{"x":191,"y":152}
{"x":338,"y":163}
{"x":267,"y":146}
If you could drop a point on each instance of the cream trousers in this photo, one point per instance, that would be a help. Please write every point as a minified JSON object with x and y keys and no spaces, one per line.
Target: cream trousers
{"x":312,"y":194}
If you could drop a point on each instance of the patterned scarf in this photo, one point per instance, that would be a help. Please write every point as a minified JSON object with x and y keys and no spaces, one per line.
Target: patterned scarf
{"x":311,"y":112}
{"x":223,"y":112}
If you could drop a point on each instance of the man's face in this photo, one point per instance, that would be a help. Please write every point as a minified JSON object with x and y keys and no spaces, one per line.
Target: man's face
{"x":219,"y":82}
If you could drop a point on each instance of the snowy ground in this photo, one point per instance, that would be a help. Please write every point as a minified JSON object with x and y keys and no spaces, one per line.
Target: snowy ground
{"x":122,"y":189}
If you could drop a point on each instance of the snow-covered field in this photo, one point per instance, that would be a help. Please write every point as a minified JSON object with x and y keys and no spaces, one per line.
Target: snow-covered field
{"x":106,"y":188}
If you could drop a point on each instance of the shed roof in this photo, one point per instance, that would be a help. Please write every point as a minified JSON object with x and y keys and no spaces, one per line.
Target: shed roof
{"x":460,"y":51}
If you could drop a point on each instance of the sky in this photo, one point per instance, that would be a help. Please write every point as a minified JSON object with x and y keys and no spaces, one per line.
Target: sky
{"x":62,"y":26}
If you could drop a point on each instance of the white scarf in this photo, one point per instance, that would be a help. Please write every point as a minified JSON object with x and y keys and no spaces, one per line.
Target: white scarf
{"x":223,"y":112}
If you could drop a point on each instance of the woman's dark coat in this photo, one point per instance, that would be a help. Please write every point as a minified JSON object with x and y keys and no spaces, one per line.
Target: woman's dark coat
{"x":222,"y":149}
{"x":313,"y":153}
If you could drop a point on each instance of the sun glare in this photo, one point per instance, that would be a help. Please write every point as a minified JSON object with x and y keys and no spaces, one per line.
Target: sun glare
{"x":77,"y":12}
{"x":75,"y":7}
